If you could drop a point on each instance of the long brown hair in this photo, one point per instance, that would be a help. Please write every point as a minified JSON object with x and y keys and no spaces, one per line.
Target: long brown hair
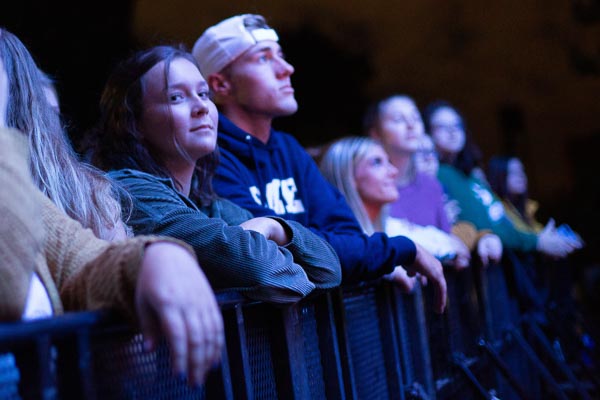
{"x":117,"y":143}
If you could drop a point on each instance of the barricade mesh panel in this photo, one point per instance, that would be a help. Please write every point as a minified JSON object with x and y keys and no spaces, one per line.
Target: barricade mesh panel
{"x":123,"y":370}
{"x":407,"y":328}
{"x":9,"y":378}
{"x":463,"y":314}
{"x":503,"y":307}
{"x":504,"y":312}
{"x":413,"y":334}
{"x":458,"y":388}
{"x":258,"y":325}
{"x":312,"y":354}
{"x":364,"y":335}
{"x":439,"y":344}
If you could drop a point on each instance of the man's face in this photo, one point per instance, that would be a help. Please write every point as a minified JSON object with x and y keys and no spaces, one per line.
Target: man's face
{"x":260,"y":81}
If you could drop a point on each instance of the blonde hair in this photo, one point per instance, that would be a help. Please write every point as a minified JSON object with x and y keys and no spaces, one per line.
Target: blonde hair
{"x":338,"y":166}
{"x":78,"y":189}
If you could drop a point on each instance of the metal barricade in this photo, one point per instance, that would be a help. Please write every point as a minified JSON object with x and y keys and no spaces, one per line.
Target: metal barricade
{"x":367,"y":341}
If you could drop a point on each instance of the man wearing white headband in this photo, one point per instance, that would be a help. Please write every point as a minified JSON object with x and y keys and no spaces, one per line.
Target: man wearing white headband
{"x":268,"y":172}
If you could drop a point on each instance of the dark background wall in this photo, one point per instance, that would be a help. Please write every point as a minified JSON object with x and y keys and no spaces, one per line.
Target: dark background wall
{"x":525,"y":73}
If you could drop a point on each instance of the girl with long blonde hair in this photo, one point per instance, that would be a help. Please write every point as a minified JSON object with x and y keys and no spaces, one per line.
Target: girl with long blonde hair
{"x":78,"y":189}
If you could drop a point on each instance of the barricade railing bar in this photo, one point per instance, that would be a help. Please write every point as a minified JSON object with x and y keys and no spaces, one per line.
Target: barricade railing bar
{"x":367,"y":341}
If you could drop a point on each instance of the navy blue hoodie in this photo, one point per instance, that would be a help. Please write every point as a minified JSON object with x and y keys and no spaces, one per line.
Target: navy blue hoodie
{"x":280,"y":178}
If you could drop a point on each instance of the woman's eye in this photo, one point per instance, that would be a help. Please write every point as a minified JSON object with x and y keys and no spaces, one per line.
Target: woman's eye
{"x":175,"y":97}
{"x":203,"y":94}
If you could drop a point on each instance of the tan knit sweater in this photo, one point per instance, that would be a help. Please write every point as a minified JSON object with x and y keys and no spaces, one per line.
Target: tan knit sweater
{"x":79,"y":271}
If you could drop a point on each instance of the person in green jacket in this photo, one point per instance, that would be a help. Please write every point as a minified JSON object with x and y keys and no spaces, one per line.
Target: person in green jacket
{"x":465,"y":182}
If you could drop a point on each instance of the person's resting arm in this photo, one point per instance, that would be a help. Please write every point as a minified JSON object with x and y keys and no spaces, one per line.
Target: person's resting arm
{"x":155,"y":282}
{"x":21,"y":230}
{"x":362,"y":257}
{"x":90,"y":273}
{"x":231,"y":257}
{"x":315,"y":255}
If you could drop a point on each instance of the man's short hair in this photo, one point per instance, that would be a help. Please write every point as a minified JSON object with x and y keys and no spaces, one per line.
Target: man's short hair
{"x":224,"y":42}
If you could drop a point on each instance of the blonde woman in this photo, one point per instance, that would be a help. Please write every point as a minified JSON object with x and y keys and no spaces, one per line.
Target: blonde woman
{"x":50,"y":264}
{"x":360,"y":169}
{"x":78,"y":189}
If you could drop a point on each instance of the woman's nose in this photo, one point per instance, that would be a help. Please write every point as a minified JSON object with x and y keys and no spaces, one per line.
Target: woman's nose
{"x":200,"y":105}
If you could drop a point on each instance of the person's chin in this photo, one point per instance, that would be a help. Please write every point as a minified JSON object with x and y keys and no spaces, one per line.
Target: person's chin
{"x":289,"y":107}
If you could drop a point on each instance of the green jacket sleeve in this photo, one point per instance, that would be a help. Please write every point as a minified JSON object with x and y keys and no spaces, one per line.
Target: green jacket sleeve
{"x":480,"y":206}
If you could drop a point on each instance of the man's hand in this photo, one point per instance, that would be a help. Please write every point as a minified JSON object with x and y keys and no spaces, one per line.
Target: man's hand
{"x":428,"y":266}
{"x":400,"y":277}
{"x":174,"y":298}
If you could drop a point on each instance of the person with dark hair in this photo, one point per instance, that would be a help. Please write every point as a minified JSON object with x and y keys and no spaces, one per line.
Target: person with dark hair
{"x":470,"y":158}
{"x":508,"y":180}
{"x":477,"y":202}
{"x":268,"y":172}
{"x":157,"y":136}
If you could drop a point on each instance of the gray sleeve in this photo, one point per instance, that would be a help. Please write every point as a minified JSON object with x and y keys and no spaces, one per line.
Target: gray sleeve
{"x":231,"y":257}
{"x":314,"y":254}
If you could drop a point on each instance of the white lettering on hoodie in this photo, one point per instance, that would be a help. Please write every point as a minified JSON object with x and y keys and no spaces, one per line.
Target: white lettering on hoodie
{"x":281,"y":196}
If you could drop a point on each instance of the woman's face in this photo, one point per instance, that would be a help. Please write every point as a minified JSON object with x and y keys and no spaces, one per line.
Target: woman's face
{"x":516,"y":180}
{"x":400,"y":125}
{"x":426,"y":158}
{"x":178,"y":110}
{"x":375,"y":178}
{"x":447,"y":131}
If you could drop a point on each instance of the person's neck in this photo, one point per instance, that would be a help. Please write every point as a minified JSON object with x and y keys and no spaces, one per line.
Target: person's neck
{"x":447,"y":158}
{"x":256,"y":125}
{"x":374,"y":214}
{"x":183,"y":174}
{"x":403,"y":163}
